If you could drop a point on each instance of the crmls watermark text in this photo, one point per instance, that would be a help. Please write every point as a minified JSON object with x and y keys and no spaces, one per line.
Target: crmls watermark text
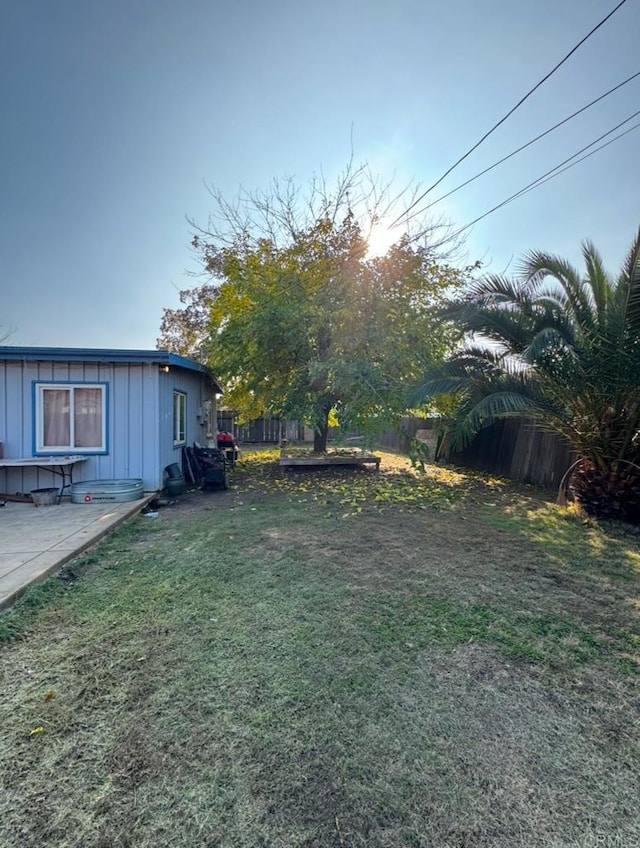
{"x":601,"y":840}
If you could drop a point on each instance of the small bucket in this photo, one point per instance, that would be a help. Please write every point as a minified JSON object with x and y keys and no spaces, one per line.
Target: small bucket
{"x":173,"y":470}
{"x":44,"y":497}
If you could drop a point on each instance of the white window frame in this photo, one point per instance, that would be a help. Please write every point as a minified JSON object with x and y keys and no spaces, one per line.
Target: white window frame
{"x":48,"y":450}
{"x":179,"y":417}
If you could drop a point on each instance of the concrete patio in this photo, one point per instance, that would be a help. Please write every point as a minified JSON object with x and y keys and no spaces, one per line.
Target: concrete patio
{"x":36,"y":541}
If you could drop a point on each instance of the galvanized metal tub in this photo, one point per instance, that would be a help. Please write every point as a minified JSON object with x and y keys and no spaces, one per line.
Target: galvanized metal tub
{"x":105,"y":491}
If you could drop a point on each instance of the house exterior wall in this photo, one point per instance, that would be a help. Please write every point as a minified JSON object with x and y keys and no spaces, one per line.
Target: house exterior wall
{"x":199,"y":392}
{"x":133,"y":448}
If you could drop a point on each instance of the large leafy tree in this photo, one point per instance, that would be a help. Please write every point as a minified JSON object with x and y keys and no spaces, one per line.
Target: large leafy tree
{"x":185,"y":330}
{"x":562,"y":348}
{"x":304,"y":322}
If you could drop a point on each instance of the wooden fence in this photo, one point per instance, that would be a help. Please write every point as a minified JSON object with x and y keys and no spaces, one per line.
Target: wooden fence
{"x":517,"y":449}
{"x":513,"y":448}
{"x":267,"y":430}
{"x":399,"y":438}
{"x":261,"y":430}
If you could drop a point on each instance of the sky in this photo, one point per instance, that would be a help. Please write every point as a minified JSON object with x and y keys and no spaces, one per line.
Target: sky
{"x":116,"y":114}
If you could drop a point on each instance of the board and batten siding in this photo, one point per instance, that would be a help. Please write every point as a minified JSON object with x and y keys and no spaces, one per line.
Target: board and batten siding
{"x":198,"y":391}
{"x":132,"y":421}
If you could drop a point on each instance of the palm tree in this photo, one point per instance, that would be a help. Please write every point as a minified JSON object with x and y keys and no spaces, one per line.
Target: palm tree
{"x":562,"y":349}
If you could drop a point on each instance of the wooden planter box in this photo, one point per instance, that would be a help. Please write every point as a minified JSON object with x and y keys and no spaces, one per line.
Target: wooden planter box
{"x":319,"y":460}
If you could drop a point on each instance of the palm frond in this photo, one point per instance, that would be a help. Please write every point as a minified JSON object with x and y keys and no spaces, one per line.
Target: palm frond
{"x":544,"y":343}
{"x":535,"y":269}
{"x":495,"y":289}
{"x":628,"y":289}
{"x":511,"y":329}
{"x":494,"y":354}
{"x":508,"y":326}
{"x":487,"y":411}
{"x":431,"y":388}
{"x":598,"y":280}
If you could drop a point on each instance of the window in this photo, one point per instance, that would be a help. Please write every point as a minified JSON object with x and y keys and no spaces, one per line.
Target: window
{"x":179,"y":418}
{"x":71,"y":417}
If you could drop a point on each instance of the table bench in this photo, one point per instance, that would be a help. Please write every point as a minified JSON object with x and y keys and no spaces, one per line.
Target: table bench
{"x":61,"y":466}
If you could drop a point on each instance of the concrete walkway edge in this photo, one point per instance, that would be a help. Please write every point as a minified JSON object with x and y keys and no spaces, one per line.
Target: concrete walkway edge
{"x":21,"y":569}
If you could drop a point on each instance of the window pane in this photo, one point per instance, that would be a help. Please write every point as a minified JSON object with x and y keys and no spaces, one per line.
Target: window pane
{"x":87,"y":418}
{"x":56,"y":422}
{"x":179,"y":416}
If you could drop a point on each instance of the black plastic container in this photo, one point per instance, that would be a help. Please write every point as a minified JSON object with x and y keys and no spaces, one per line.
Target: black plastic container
{"x":174,"y":486}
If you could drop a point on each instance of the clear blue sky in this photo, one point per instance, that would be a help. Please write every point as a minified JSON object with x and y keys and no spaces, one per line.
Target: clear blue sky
{"x":114,"y":114}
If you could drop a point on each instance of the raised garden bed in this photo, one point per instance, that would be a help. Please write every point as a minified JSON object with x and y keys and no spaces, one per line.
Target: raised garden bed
{"x":292,"y":457}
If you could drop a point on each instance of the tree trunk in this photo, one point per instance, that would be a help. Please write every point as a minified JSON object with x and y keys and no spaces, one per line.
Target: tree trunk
{"x":611,"y":490}
{"x":322,"y":432}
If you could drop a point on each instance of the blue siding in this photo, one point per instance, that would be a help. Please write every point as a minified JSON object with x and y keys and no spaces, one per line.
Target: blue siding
{"x":139,"y":423}
{"x":133,"y":421}
{"x":198,"y":390}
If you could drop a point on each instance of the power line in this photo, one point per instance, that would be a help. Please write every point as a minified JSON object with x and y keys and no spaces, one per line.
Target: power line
{"x":509,"y":113}
{"x":581,"y":159}
{"x":557,"y":170}
{"x":522,"y":147}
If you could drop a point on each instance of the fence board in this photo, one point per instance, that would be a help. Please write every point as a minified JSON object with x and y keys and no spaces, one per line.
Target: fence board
{"x":516,"y":448}
{"x":267,"y":430}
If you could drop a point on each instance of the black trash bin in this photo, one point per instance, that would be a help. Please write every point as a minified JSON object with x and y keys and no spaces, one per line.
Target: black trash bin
{"x":174,"y":483}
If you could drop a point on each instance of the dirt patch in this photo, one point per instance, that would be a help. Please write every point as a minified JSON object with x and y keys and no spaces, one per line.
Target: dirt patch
{"x":134,"y":758}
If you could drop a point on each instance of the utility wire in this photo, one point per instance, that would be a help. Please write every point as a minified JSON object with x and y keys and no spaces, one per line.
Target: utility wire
{"x":523,"y":147}
{"x":558,"y":169}
{"x":509,"y":113}
{"x":581,"y":159}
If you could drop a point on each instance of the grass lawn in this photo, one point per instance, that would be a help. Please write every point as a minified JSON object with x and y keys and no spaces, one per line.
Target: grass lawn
{"x":331,"y":658}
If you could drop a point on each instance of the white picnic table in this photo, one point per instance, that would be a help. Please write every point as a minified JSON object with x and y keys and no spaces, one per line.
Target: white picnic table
{"x":61,"y":466}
